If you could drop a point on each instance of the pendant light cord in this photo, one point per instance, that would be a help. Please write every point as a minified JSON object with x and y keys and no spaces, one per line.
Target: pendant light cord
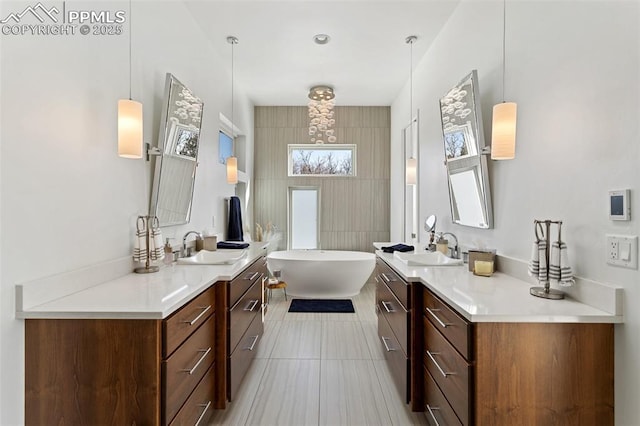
{"x":410,"y":81}
{"x":130,"y":26}
{"x":504,"y":38}
{"x":233,"y":133}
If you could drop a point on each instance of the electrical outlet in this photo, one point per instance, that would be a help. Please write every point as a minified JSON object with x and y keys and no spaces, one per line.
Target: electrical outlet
{"x":622,"y":250}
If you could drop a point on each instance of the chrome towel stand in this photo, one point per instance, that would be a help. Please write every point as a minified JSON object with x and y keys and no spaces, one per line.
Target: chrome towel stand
{"x":547,"y":292}
{"x":147,"y":224}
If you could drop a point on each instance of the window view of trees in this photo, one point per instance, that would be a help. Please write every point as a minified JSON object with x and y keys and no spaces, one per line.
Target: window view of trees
{"x":333,"y":162}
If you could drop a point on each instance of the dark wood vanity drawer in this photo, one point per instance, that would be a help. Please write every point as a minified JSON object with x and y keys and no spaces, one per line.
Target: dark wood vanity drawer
{"x":241,"y":315}
{"x":436,"y":407}
{"x":456,"y":329}
{"x":199,"y":407}
{"x":186,"y":320}
{"x":397,"y":361}
{"x":242,"y":282}
{"x":392,"y":310}
{"x":182,"y":371}
{"x":240,"y":359}
{"x":399,"y":286}
{"x":449,"y":369}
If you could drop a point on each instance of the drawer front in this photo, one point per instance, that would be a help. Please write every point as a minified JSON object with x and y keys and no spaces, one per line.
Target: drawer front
{"x":455,"y":328}
{"x":393,"y":311}
{"x":199,"y":407}
{"x":399,"y":287}
{"x":185,"y":321}
{"x":437,"y":408}
{"x":184,"y":369}
{"x":451,"y":372}
{"x":242,"y":282}
{"x":241,"y":315}
{"x":241,"y":358}
{"x":397,"y":362}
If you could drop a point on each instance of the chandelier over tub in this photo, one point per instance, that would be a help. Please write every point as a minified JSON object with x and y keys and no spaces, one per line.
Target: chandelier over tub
{"x":321,"y":118}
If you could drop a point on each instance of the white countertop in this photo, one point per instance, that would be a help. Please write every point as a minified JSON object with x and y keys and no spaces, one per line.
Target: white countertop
{"x":142,"y":296}
{"x":499,"y":298}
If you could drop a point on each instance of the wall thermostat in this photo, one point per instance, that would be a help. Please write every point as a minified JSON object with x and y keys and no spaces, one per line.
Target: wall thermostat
{"x":619,"y":205}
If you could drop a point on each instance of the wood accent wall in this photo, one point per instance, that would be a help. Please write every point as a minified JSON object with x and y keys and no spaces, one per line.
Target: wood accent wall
{"x":354,"y":210}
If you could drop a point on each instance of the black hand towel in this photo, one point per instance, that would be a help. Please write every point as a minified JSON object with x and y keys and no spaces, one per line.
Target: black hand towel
{"x":234,"y":231}
{"x":397,"y":247}
{"x":227,"y":245}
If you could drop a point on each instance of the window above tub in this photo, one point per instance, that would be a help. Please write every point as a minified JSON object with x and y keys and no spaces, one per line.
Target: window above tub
{"x":338,"y":160}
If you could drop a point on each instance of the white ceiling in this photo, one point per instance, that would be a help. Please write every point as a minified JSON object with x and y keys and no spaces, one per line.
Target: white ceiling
{"x":366,"y":61}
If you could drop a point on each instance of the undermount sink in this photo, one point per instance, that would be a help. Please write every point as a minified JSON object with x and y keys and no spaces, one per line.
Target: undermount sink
{"x":218,"y":257}
{"x":434,"y":258}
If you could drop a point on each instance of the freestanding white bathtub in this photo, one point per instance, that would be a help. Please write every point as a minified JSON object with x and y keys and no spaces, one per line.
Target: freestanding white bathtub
{"x":327,"y":274}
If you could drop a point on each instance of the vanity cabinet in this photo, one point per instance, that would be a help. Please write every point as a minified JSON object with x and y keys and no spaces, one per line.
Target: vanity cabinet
{"x":244,"y":319}
{"x":130,"y":371}
{"x":488,"y":373}
{"x":392,"y":308}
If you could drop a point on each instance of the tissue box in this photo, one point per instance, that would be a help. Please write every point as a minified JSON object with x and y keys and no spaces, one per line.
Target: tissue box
{"x":484,"y":255}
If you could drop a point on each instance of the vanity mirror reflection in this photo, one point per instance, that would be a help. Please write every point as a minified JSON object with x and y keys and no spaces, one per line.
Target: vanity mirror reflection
{"x":463,"y":137}
{"x":175,"y":168}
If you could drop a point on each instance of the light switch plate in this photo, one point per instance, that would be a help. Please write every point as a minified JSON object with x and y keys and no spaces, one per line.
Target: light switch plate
{"x":622,"y":250}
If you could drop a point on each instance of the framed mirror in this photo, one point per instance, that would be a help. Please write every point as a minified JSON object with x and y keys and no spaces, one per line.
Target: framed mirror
{"x":463,"y":137}
{"x":178,"y":141}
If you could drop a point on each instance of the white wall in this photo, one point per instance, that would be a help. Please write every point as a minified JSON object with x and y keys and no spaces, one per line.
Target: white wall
{"x":573,"y":68}
{"x":67,"y":200}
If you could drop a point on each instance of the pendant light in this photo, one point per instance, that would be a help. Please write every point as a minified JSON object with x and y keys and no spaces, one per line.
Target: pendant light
{"x":232,"y":162}
{"x":411,"y":167}
{"x":503,"y":128}
{"x":129,"y":118}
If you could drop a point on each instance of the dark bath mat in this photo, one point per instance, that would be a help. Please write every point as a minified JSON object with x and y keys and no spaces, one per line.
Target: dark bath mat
{"x":322,"y":305}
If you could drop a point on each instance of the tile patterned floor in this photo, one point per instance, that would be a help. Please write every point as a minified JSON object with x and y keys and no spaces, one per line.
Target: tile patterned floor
{"x":319,"y":369}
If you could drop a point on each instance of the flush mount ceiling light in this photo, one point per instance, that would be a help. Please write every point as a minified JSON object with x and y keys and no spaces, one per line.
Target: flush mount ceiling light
{"x":321,"y":118}
{"x":505,"y":114}
{"x":321,"y":39}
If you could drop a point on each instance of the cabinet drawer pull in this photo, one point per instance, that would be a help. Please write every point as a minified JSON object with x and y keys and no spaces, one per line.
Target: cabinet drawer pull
{"x":205,"y":309}
{"x":204,"y":355}
{"x":386,"y":278}
{"x":206,"y":408}
{"x":252,"y":305}
{"x":432,"y":312}
{"x":384,"y":342}
{"x":384,"y":304}
{"x":251,"y":277}
{"x":431,"y":354}
{"x":255,"y":340}
{"x":431,"y":410}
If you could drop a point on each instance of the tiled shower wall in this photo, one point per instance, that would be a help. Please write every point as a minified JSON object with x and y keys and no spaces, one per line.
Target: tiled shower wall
{"x":354,"y":210}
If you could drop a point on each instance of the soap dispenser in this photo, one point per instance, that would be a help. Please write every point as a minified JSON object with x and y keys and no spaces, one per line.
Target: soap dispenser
{"x":168,"y":253}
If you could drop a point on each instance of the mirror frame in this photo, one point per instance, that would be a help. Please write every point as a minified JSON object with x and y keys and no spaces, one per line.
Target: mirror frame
{"x":472,"y":157}
{"x":166,"y":146}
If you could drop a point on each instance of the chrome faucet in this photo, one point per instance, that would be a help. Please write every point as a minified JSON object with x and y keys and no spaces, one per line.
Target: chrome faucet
{"x":185,"y":252}
{"x":455,"y":250}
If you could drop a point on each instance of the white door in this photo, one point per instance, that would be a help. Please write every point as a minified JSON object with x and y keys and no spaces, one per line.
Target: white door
{"x":303,"y":217}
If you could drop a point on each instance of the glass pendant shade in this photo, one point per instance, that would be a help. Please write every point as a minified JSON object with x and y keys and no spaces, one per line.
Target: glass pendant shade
{"x":129,"y":128}
{"x":232,"y":170}
{"x":503,"y":131}
{"x":412,"y":171}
